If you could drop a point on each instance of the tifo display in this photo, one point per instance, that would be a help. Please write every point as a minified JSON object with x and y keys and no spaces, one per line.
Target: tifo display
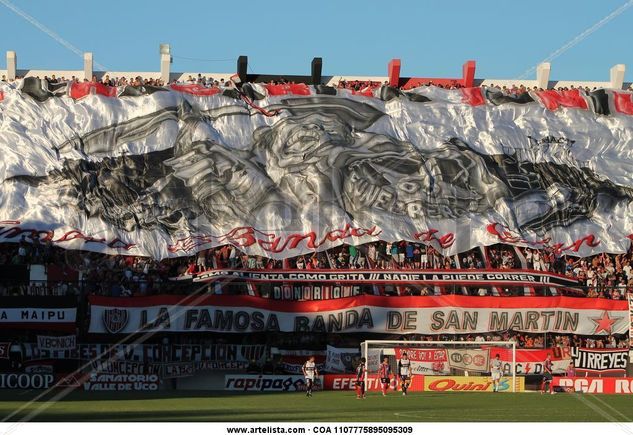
{"x":245,"y":237}
{"x":170,"y":171}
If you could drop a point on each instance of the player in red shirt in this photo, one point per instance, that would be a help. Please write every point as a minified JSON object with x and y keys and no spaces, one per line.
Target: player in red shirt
{"x":384,"y":373}
{"x":360,"y":379}
{"x":548,"y":365}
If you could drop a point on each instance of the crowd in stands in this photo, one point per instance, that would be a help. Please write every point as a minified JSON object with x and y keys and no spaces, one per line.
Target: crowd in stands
{"x":127,"y":276}
{"x":206,"y":81}
{"x":360,"y":86}
{"x":604,"y":275}
{"x":522,"y":89}
{"x":451,"y":84}
{"x":74,"y":272}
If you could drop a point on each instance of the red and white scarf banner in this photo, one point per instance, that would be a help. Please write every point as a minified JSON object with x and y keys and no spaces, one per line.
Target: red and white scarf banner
{"x":426,"y":360}
{"x":471,"y":277}
{"x":450,"y":314}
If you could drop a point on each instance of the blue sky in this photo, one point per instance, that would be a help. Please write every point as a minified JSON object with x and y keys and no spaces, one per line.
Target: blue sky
{"x":432,"y":38}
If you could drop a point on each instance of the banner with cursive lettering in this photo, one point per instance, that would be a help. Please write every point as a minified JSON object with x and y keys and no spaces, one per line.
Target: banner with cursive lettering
{"x":170,"y":173}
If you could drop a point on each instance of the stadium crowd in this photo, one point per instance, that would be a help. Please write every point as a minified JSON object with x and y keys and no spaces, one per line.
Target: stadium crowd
{"x":600,"y":276}
{"x":361,"y":86}
{"x":603,"y":276}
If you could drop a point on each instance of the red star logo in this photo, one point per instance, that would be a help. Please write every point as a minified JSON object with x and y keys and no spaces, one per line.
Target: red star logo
{"x":604,"y":323}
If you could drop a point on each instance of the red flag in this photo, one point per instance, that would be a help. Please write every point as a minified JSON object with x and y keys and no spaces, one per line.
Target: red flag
{"x":108,"y":91}
{"x":195,"y":89}
{"x":472,"y":96}
{"x":364,"y":93}
{"x":276,"y":90}
{"x":80,"y":90}
{"x":300,"y":89}
{"x":288,"y":89}
{"x":623,"y":103}
{"x":554,"y":99}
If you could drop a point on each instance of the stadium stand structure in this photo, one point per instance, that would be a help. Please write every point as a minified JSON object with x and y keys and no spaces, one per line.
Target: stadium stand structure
{"x":393,"y":77}
{"x":245,"y":321}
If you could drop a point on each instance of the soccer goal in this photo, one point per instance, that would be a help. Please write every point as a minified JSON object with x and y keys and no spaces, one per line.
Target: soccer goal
{"x":455,"y":360}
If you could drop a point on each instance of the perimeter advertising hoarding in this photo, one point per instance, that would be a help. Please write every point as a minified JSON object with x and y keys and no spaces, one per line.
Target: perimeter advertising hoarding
{"x":428,"y":383}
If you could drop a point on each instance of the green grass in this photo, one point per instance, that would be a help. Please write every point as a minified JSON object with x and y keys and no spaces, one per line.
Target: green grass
{"x":323,"y":406}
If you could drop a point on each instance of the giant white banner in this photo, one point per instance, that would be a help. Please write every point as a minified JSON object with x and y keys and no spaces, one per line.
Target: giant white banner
{"x":379,"y":314}
{"x":168,"y":172}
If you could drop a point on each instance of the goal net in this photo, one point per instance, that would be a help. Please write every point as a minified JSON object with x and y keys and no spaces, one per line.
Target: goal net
{"x":443,"y":365}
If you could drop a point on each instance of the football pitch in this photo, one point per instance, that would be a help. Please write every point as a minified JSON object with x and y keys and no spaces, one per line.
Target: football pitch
{"x":324,"y":406}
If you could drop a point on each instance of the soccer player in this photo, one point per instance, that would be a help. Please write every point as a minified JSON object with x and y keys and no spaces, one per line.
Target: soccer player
{"x":495,"y":372}
{"x":309,"y":371}
{"x":404,"y":372}
{"x":384,"y":373}
{"x":360,"y":379}
{"x":547,"y":375}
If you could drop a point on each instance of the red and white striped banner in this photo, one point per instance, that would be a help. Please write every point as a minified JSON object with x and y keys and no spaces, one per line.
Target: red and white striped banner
{"x":454,"y":314}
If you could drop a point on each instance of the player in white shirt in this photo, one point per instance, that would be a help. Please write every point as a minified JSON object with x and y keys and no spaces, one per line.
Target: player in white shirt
{"x":495,"y":371}
{"x":309,"y":372}
{"x":404,"y":372}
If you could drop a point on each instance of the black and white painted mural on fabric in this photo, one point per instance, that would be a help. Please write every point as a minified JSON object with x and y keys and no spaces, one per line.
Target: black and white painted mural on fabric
{"x":178,"y":173}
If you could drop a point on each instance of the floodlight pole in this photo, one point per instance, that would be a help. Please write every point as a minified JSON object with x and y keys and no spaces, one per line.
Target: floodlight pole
{"x":366,"y":356}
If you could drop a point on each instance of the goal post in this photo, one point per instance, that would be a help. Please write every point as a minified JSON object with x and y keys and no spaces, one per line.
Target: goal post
{"x":442,"y":358}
